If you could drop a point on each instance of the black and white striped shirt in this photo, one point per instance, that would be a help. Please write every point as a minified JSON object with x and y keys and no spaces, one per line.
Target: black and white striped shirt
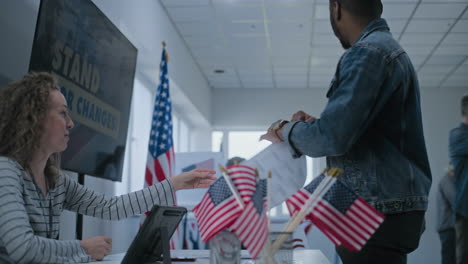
{"x":24,"y":214}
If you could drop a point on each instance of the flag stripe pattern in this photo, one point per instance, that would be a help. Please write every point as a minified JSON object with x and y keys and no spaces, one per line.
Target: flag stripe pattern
{"x":217,"y":210}
{"x":252,"y":225}
{"x":340,"y":214}
{"x":244,"y":179}
{"x":160,"y":161}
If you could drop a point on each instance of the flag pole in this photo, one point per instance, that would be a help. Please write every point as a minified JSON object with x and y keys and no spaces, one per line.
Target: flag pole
{"x":231,"y":186}
{"x":268,"y":199}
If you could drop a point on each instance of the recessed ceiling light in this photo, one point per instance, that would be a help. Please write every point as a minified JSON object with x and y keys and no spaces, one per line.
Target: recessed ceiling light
{"x":219,"y":71}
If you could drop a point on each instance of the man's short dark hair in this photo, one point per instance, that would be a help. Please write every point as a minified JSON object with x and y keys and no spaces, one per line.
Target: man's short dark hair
{"x":363,"y":9}
{"x":464,"y":105}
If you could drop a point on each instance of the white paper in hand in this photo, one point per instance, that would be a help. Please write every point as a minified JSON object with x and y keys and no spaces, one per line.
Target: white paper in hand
{"x":288,"y":174}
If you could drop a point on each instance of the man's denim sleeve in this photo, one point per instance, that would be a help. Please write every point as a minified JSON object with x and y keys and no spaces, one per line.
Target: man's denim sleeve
{"x":351,"y":107}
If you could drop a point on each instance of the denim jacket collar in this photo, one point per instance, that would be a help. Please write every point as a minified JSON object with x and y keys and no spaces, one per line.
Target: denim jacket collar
{"x":375,"y":25}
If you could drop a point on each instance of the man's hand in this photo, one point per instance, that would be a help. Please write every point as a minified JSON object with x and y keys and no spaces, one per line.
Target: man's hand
{"x":197,"y":178}
{"x":272,"y":135}
{"x":97,"y":247}
{"x":275,"y":132}
{"x":302,"y":116}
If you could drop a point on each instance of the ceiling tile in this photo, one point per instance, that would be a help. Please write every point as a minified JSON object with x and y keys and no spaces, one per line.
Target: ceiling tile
{"x":225,"y":84}
{"x":456,"y":80}
{"x":187,"y":14}
{"x":445,"y":60}
{"x":258,"y":84}
{"x":283,"y":60}
{"x":418,"y":50}
{"x":278,"y":11}
{"x":439,"y":10}
{"x":429,"y":25}
{"x":393,"y":11}
{"x":248,"y":46}
{"x":417,"y":60}
{"x":290,"y":45}
{"x":396,"y":25}
{"x":456,"y":39}
{"x":206,"y":52}
{"x":285,"y":29}
{"x":214,"y":62}
{"x":463,"y":69}
{"x":296,"y":78}
{"x":431,"y":71}
{"x":251,"y":61}
{"x":178,"y":3}
{"x":203,"y":41}
{"x":198,"y":28}
{"x":290,"y":71}
{"x":461,"y":50}
{"x":235,"y":3}
{"x":230,"y":11}
{"x":421,"y":38}
{"x":244,"y":28}
{"x":461,"y":26}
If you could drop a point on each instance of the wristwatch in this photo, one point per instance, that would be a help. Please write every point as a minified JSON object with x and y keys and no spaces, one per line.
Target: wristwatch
{"x":277,"y":126}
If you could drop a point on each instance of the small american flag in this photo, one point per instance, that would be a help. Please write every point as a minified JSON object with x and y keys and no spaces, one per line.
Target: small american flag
{"x":217,"y":210}
{"x":244,"y":179}
{"x":252,"y":225}
{"x":345,"y":218}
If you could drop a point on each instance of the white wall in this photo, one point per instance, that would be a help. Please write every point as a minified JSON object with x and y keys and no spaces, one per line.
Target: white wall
{"x":258,"y":108}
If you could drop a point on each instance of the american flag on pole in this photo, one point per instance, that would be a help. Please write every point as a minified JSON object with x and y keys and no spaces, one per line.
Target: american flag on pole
{"x":217,"y":209}
{"x":160,"y":159}
{"x":252,"y":225}
{"x":244,"y":179}
{"x":345,"y":218}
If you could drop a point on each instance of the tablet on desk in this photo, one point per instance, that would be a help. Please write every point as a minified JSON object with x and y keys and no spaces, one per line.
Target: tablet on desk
{"x":152,"y":240}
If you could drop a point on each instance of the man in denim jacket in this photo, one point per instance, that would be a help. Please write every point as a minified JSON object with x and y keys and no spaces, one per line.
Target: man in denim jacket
{"x":372,"y":129}
{"x":458,"y":149}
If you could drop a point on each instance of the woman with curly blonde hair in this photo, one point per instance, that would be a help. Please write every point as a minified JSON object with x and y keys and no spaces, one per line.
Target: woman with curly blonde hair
{"x":35,"y":127}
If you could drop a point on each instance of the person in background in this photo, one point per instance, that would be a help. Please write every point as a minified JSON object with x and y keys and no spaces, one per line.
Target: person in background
{"x":35,"y":127}
{"x":234,"y":161}
{"x":371,"y":128}
{"x":458,"y":150}
{"x":446,"y":216}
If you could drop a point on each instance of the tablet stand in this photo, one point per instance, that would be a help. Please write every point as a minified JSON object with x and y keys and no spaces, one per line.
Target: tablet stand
{"x":166,"y":254}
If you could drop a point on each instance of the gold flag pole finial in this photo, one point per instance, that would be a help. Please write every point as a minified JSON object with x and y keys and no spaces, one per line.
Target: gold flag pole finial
{"x":165,"y":51}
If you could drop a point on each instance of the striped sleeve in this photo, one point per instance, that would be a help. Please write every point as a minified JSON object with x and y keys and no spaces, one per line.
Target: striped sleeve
{"x":16,"y":233}
{"x":80,"y":199}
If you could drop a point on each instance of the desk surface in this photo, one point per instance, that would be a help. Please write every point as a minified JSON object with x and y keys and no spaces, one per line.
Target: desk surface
{"x":300,"y":256}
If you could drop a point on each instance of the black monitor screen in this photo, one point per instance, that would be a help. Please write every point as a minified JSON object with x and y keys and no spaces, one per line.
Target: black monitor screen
{"x":95,"y":65}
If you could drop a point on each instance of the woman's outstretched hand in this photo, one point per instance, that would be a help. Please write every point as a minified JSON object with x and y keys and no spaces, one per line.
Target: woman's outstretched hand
{"x":197,"y":178}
